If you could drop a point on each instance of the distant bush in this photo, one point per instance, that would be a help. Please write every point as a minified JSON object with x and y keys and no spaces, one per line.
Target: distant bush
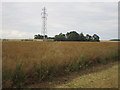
{"x":40,"y":36}
{"x":26,"y":40}
{"x":115,"y":40}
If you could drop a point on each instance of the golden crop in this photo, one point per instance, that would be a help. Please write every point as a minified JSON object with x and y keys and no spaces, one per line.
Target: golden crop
{"x":33,"y":53}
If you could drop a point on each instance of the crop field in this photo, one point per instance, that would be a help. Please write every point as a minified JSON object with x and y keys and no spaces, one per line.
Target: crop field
{"x":28,"y":62}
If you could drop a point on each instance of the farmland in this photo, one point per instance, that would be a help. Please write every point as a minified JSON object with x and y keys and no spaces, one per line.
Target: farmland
{"x":28,"y":62}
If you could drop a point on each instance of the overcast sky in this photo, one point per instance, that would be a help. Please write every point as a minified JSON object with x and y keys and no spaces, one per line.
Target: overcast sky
{"x":23,"y":19}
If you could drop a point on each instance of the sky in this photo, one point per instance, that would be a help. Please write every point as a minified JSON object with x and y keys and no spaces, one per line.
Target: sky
{"x":23,"y":19}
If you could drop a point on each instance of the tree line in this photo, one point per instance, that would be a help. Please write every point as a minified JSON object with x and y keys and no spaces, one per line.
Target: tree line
{"x":40,"y":36}
{"x":74,"y":36}
{"x":71,"y":36}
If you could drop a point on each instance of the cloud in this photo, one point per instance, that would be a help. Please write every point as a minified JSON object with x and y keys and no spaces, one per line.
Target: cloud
{"x":88,"y":17}
{"x":16,"y":34}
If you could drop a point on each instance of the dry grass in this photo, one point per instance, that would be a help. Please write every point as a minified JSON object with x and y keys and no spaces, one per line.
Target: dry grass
{"x":104,"y":79}
{"x":34,"y":56}
{"x":21,"y":39}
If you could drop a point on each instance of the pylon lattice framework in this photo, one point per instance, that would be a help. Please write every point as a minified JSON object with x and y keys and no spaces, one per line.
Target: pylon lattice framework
{"x":44,"y":22}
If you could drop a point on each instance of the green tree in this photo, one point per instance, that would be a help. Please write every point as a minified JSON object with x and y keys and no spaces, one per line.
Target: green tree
{"x":72,"y":36}
{"x":89,"y":38}
{"x":82,"y":37}
{"x":60,"y":37}
{"x":96,"y":38}
{"x":38,"y":36}
{"x":35,"y":36}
